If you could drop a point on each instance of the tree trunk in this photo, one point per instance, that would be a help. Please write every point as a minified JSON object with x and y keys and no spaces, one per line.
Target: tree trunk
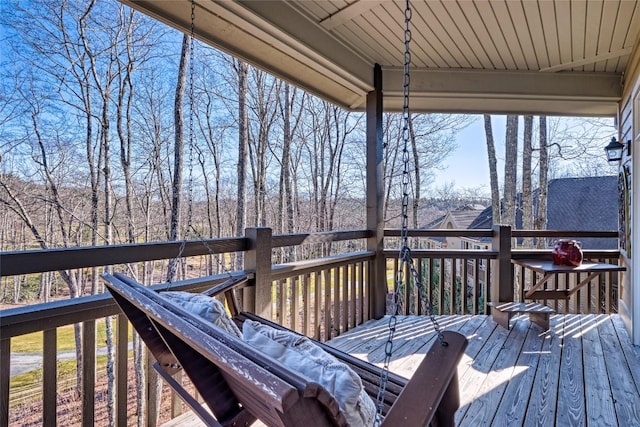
{"x":178,"y":159}
{"x":510,"y":171}
{"x":285,"y":206}
{"x":493,"y":170}
{"x":243,"y":143}
{"x":541,"y":217}
{"x":416,"y":172}
{"x":527,"y":203}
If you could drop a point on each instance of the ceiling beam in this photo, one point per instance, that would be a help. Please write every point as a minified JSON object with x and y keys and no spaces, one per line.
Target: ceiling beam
{"x":347,"y":13}
{"x":505,"y":91}
{"x":603,"y":57}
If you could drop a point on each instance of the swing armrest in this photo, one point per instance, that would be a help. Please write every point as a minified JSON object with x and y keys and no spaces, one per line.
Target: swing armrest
{"x":230,"y":283}
{"x":432,"y":392}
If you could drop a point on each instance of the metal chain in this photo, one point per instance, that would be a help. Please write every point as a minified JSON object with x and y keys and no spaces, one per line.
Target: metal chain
{"x":405,"y":261}
{"x":191,"y":113}
{"x":190,"y":227}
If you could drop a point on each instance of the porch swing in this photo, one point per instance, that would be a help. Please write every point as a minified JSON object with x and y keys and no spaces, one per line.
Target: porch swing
{"x":241,"y":383}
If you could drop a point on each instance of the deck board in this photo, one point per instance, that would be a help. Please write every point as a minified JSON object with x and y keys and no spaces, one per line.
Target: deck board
{"x":583,"y":371}
{"x":623,"y":389}
{"x":599,"y":402}
{"x":571,"y":407}
{"x":513,"y":405}
{"x":495,"y":379}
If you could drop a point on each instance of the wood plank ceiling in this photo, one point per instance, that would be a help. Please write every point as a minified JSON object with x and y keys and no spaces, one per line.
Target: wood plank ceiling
{"x":539,"y":56}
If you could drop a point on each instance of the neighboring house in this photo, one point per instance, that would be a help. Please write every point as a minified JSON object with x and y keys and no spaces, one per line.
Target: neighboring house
{"x":573,"y":204}
{"x":458,"y":219}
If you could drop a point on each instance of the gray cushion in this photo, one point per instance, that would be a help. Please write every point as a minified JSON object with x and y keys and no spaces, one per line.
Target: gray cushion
{"x":302,"y":355}
{"x":206,"y":307}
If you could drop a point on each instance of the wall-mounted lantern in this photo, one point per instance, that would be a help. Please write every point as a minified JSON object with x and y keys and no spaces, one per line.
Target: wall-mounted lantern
{"x":614,"y":150}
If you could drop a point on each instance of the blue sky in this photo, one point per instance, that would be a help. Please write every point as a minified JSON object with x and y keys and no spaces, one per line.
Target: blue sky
{"x":468,"y":167}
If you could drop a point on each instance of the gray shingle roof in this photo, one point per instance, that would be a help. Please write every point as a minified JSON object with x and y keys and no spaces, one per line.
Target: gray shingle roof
{"x":575,"y":204}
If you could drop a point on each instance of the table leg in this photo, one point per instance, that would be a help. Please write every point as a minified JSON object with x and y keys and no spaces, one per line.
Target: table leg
{"x":583,"y":283}
{"x":540,"y":319}
{"x":502,"y":318}
{"x":538,"y":284}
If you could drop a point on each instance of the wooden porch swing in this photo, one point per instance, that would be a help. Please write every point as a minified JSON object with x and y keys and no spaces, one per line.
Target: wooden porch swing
{"x":240,"y":383}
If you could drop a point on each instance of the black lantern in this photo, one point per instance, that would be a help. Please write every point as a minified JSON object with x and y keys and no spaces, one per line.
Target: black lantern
{"x":614,"y":150}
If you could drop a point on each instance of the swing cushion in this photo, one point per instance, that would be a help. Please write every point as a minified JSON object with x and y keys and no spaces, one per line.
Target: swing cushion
{"x":300,"y":354}
{"x":206,"y":307}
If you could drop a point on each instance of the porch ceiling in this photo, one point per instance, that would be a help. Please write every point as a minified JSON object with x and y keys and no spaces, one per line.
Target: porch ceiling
{"x":545,"y":56}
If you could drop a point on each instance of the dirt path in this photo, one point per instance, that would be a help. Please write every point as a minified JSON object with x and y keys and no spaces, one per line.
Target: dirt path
{"x":25,"y":362}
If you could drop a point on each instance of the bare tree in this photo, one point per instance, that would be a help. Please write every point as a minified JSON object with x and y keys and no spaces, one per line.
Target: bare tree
{"x":242,"y":71}
{"x":285,"y":213}
{"x":527,"y":203}
{"x":541,"y":217}
{"x":510,"y":171}
{"x":178,"y":153}
{"x":263,"y":95}
{"x":493,"y":170}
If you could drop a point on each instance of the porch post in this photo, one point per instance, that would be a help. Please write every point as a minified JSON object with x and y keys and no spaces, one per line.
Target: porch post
{"x":375,"y":193}
{"x":502,"y":271}
{"x":257,"y":299}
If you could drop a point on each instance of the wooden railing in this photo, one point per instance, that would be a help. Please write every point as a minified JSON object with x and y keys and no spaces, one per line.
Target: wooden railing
{"x":333,"y":292}
{"x":321,"y":297}
{"x":464,"y":281}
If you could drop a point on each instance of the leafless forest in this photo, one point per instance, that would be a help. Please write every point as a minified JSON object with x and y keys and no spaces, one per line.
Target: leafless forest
{"x":117,"y":129}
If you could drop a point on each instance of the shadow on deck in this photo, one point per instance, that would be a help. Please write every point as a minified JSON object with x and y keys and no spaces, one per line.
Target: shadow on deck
{"x":583,"y":371}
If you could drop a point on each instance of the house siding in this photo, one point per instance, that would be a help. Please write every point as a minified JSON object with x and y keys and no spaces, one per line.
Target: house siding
{"x":629,"y":131}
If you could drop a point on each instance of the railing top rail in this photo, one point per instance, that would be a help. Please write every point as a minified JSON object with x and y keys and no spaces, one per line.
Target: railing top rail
{"x":321,"y":237}
{"x":395,"y":232}
{"x":564,"y":233}
{"x":39,"y":317}
{"x":38,"y":261}
{"x":392,"y":232}
{"x":447,"y":253}
{"x":283,"y":271}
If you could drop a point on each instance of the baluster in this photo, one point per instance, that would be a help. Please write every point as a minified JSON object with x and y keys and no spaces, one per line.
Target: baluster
{"x":441,"y":288}
{"x":5,"y":372}
{"x":326,"y":284}
{"x":282,"y":301}
{"x":463,"y":287}
{"x":306,"y":301}
{"x":317,"y":304}
{"x":295,"y":303}
{"x":122,"y":356}
{"x":453,"y":276}
{"x":476,"y":286}
{"x":337,"y":303}
{"x":360,"y":293}
{"x":353,"y":295}
{"x":344,"y":301}
{"x":49,"y":376}
{"x":88,"y":372}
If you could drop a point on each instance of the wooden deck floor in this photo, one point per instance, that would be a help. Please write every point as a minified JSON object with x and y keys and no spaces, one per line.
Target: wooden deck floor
{"x":584,"y":371}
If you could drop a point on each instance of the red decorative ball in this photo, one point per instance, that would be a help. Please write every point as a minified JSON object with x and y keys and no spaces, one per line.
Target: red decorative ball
{"x":567,"y":252}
